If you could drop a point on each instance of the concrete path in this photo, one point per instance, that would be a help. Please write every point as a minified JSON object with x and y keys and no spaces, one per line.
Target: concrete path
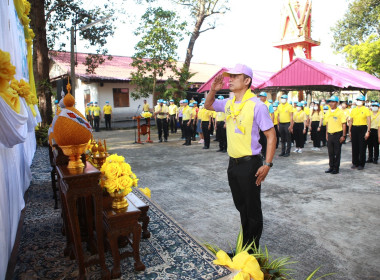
{"x":331,"y":221}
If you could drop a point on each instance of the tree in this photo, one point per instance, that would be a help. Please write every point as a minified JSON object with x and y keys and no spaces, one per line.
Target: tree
{"x":156,"y":52}
{"x":201,"y":11}
{"x":51,"y":21}
{"x":357,"y":35}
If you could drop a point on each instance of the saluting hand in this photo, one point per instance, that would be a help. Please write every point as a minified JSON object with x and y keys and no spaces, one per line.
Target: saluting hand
{"x":217,"y":84}
{"x":261,"y":174}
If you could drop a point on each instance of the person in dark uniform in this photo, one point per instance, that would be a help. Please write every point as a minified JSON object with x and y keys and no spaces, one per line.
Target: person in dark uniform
{"x":161,"y":113}
{"x":335,"y":134}
{"x":285,"y":119}
{"x":220,"y":126}
{"x":373,"y":143}
{"x":96,"y":112}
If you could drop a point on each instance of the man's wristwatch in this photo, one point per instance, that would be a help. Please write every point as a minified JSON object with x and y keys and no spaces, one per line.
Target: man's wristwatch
{"x":270,"y":164}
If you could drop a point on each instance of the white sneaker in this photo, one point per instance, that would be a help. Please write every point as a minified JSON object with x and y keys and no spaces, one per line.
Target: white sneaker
{"x":300,"y":151}
{"x":295,"y":151}
{"x":201,"y":141}
{"x":317,"y":149}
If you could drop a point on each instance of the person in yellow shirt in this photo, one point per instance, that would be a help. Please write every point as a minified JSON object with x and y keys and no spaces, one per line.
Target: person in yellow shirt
{"x":299,"y":128}
{"x":316,"y":118}
{"x":146,"y":108}
{"x":161,"y":112}
{"x":346,"y":112}
{"x":263,"y":140}
{"x":335,"y":134}
{"x":220,"y":127}
{"x":173,"y":111}
{"x":206,"y":118}
{"x":275,"y":122}
{"x":285,"y":120}
{"x":179,"y":118}
{"x":88,"y":112}
{"x":91,"y":111}
{"x":373,"y":143}
{"x":194,"y":119}
{"x":96,"y":113}
{"x":107,"y":111}
{"x":326,"y":109}
{"x":186,"y":121}
{"x":360,"y":126}
{"x":307,"y":112}
{"x":199,"y":124}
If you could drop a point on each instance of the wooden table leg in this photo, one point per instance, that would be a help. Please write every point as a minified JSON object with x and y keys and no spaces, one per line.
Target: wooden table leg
{"x":139,"y":266}
{"x":112,"y":238}
{"x":145,"y":221}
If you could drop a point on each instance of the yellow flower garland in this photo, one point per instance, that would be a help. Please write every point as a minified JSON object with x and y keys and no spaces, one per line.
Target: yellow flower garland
{"x":7,"y":72}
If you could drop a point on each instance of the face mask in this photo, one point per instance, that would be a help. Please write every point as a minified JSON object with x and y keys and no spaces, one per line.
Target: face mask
{"x":375,"y":109}
{"x":316,"y":108}
{"x":353,"y":106}
{"x":283,"y":101}
{"x":323,"y":103}
{"x":275,"y":108}
{"x":332,"y":110}
{"x":359,"y":103}
{"x":298,"y":109}
{"x":325,"y":111}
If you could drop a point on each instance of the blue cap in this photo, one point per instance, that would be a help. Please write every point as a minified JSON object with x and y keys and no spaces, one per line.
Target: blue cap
{"x":195,"y":102}
{"x":191,"y":104}
{"x":263,"y":94}
{"x":96,"y":102}
{"x":334,"y":98}
{"x":299,"y":104}
{"x":203,"y":99}
{"x":185,"y":101}
{"x":201,"y":104}
{"x":284,"y":96}
{"x":325,"y":107}
{"x":290,"y":102}
{"x":160,"y":101}
{"x":270,"y":100}
{"x":375,"y":104}
{"x":56,"y":102}
{"x":91,"y":102}
{"x":361,"y":98}
{"x":171,"y":100}
{"x":107,"y":102}
{"x":221,"y":97}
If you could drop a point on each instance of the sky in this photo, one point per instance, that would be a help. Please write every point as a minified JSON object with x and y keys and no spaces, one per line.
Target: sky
{"x":244,"y":34}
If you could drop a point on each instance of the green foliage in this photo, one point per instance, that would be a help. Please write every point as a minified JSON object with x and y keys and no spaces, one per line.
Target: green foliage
{"x":42,"y":136}
{"x":176,"y":86}
{"x":366,"y":56}
{"x":156,"y":52}
{"x":62,"y":14}
{"x":359,"y":22}
{"x":373,"y":95}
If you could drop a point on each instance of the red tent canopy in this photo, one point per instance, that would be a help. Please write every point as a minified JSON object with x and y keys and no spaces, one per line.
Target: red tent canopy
{"x":304,"y":74}
{"x":258,"y":78}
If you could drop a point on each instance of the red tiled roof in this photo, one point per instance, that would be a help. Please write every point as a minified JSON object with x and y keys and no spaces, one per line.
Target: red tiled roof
{"x":119,"y":68}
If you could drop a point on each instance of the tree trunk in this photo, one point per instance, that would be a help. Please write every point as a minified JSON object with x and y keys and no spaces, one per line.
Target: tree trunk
{"x":193,"y":38}
{"x":41,"y":60}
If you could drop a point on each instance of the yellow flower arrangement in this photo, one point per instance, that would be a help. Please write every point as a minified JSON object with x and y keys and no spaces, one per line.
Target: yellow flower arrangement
{"x":117,"y":175}
{"x":146,"y":192}
{"x":146,"y":115}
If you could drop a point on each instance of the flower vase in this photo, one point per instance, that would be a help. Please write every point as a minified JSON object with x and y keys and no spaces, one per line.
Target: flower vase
{"x":119,"y":200}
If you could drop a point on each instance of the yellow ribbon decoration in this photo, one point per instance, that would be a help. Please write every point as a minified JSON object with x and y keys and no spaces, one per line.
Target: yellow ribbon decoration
{"x":245,"y":263}
{"x":247,"y":95}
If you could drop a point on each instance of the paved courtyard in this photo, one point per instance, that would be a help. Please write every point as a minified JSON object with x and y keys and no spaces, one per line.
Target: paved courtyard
{"x":331,"y":221}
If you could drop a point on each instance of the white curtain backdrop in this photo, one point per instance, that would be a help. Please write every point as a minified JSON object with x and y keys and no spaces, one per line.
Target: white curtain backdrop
{"x":17,"y":137}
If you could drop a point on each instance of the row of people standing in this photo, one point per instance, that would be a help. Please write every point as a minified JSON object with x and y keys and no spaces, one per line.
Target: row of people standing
{"x":94,"y":114}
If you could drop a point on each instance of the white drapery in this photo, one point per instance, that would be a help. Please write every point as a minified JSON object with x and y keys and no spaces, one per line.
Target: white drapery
{"x":17,"y":137}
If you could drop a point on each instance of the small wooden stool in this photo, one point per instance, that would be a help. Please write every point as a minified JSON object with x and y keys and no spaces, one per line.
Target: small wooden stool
{"x":123,"y":223}
{"x":144,"y":219}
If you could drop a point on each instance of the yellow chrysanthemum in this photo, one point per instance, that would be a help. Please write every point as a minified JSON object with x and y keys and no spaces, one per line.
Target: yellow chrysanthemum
{"x":111,"y":185}
{"x":11,"y":97}
{"x":115,"y":158}
{"x":146,"y":191}
{"x":125,"y":182}
{"x":126,"y":169}
{"x":26,"y":7}
{"x":7,"y":70}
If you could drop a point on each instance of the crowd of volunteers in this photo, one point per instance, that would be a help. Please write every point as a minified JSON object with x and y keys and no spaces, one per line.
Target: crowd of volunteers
{"x":329,"y":123}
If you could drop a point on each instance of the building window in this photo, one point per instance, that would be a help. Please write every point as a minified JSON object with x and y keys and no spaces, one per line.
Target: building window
{"x":121,"y":97}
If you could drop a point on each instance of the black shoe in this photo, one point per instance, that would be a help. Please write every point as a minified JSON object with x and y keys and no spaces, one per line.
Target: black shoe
{"x":281,"y":155}
{"x":184,"y":143}
{"x":220,"y":150}
{"x":193,"y":139}
{"x":335,"y":171}
{"x":360,"y":167}
{"x":330,"y":170}
{"x":286,"y":155}
{"x":205,"y":148}
{"x":224,"y":151}
{"x":369,"y":160}
{"x":166,"y":140}
{"x":160,"y":140}
{"x":354,"y":166}
{"x":187,"y":144}
{"x":375,"y":161}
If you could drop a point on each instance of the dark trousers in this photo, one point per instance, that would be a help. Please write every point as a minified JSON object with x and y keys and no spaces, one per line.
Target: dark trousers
{"x":298,"y":134}
{"x":263,"y":143}
{"x":285,"y":138}
{"x":373,"y":145}
{"x":277,"y":135}
{"x":358,"y":144}
{"x":316,"y":135}
{"x":91,"y":120}
{"x":188,"y":131}
{"x":173,"y":124}
{"x":96,"y":123}
{"x":107,"y":118}
{"x":162,"y":125}
{"x":323,"y":135}
{"x":194,"y":130}
{"x":206,"y":134}
{"x":305,"y":135}
{"x":221,"y":135}
{"x":182,"y":128}
{"x":246,"y":196}
{"x":334,"y":148}
{"x":212,"y":127}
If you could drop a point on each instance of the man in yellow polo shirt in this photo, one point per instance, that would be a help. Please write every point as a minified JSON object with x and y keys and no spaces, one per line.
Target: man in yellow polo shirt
{"x":245,"y":116}
{"x":360,"y":126}
{"x":335,"y":134}
{"x":373,"y":143}
{"x":275,"y":122}
{"x":107,"y":111}
{"x":220,"y":127}
{"x":186,"y":121}
{"x":173,"y":111}
{"x":206,"y":117}
{"x":161,"y":113}
{"x":285,"y":120}
{"x":96,"y":112}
